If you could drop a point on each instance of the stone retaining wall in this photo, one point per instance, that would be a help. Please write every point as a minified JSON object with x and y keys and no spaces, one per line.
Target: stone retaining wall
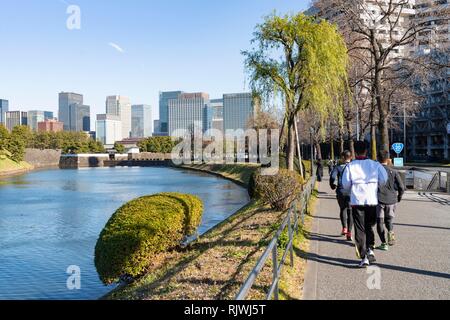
{"x":42,"y":158}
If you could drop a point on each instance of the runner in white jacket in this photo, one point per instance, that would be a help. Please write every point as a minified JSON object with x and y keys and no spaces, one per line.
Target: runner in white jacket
{"x":362,"y":178}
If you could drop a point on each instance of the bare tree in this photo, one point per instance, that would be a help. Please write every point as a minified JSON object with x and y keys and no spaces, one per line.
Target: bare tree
{"x":378,"y":32}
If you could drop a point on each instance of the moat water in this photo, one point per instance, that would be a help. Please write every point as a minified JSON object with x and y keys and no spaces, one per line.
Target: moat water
{"x":50,"y":220}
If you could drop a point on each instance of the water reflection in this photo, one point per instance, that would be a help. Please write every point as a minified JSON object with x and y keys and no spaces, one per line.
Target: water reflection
{"x":50,"y":220}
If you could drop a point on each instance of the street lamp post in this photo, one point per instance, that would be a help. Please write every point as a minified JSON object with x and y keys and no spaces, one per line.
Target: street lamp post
{"x":404,"y":132}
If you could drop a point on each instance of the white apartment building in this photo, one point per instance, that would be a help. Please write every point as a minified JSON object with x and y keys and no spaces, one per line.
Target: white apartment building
{"x":429,"y":136}
{"x":120,"y":106}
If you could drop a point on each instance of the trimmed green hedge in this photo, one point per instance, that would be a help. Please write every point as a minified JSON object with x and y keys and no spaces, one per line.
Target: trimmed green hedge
{"x":143,"y":228}
{"x":193,"y":211}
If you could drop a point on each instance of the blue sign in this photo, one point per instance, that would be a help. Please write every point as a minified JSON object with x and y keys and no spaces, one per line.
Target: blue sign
{"x":398,"y":147}
{"x":398,"y":162}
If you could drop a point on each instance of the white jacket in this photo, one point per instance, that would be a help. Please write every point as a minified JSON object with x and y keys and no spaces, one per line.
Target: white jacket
{"x":361,"y":179}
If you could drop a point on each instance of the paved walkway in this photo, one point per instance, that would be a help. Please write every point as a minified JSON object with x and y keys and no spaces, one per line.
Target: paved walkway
{"x":418,"y":267}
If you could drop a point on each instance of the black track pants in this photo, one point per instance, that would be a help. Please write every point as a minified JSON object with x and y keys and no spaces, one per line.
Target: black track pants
{"x":365,"y":219}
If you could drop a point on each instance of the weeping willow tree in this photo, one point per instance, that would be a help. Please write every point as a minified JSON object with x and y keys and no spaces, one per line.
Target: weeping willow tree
{"x":304,"y":60}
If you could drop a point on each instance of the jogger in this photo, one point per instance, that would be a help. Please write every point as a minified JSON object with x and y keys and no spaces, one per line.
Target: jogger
{"x":388,"y":197}
{"x":363,"y":177}
{"x":343,"y":197}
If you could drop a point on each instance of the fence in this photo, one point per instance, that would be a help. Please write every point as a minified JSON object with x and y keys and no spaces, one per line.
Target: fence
{"x":291,"y":222}
{"x":431,"y":181}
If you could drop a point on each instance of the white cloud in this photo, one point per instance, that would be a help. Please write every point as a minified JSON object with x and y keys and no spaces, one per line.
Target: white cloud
{"x":116,"y":46}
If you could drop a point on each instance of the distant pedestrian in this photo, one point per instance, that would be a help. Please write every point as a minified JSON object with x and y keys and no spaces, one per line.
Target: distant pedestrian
{"x":388,"y":197}
{"x":362,"y":178}
{"x":343,"y":196}
{"x":319,"y":170}
{"x":331,"y":166}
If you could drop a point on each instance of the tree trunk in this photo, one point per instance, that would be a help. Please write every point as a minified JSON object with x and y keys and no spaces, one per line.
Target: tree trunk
{"x":341,"y":142}
{"x":332,"y":148}
{"x":351,"y":142}
{"x":319,"y":151}
{"x":291,"y":148}
{"x":383,"y":126}
{"x":299,"y":151}
{"x":373,"y":141}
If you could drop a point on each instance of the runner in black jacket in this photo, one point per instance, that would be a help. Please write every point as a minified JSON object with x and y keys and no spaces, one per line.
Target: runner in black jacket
{"x":342,"y":196}
{"x":388,"y":197}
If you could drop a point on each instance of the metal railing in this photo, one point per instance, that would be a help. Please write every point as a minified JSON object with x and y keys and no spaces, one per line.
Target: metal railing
{"x":291,"y":222}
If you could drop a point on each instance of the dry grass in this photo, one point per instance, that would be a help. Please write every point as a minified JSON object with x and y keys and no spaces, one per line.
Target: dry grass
{"x":213,"y":268}
{"x":216,"y":266}
{"x":8,"y":166}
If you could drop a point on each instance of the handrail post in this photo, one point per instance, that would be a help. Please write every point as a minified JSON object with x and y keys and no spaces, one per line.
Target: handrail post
{"x":291,"y":239}
{"x":275,"y":270}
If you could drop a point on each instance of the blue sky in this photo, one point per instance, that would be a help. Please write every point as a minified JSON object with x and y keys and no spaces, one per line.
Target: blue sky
{"x":134,"y":48}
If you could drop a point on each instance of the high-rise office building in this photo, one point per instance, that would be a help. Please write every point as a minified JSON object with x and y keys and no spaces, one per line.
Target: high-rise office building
{"x":238,"y":110}
{"x":4,"y":107}
{"x":48,"y":115}
{"x":34,"y":117}
{"x":156,"y":127}
{"x":80,"y":118}
{"x":217,"y":114}
{"x":15,"y":118}
{"x":120,"y":106}
{"x":141,"y":121}
{"x":189,"y":111}
{"x":108,"y":129}
{"x":67,"y":102}
{"x":164,"y":98}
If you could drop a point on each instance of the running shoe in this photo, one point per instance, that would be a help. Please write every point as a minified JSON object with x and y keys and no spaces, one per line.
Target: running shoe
{"x":383,"y":247}
{"x":349,"y":236}
{"x":371,"y":256}
{"x":344,"y":231}
{"x":391,"y":238}
{"x":364,"y":263}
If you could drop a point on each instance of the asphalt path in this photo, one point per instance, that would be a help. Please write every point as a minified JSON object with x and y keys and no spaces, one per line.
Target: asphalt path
{"x":417,"y":267}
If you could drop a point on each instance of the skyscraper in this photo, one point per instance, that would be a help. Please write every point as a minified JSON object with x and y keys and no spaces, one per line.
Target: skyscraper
{"x":141,"y":121}
{"x":238,"y":109}
{"x":80,"y":118}
{"x":217,"y":114}
{"x":48,"y":115}
{"x":120,"y":106}
{"x":4,"y":107}
{"x":189,"y":111}
{"x":15,"y":118}
{"x":68,"y":100}
{"x":164,"y":98}
{"x":108,"y":129}
{"x":34,"y":117}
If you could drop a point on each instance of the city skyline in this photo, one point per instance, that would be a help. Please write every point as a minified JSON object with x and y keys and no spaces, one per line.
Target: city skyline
{"x":159,"y":56}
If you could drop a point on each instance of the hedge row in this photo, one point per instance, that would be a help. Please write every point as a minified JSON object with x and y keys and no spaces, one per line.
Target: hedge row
{"x":141,"y":229}
{"x":278,"y":190}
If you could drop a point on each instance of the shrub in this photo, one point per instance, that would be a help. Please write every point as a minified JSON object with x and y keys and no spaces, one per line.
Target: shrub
{"x":251,"y":188}
{"x":157,"y":145}
{"x":193,"y":211}
{"x":279,"y":190}
{"x":141,"y":229}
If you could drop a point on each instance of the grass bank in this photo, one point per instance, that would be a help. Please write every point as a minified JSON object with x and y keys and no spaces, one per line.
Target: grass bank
{"x":238,"y":173}
{"x":9,"y":167}
{"x":216,"y":265}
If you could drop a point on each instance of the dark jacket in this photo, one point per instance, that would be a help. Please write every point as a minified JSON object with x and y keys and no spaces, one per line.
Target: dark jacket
{"x":394,"y":189}
{"x":336,"y":180}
